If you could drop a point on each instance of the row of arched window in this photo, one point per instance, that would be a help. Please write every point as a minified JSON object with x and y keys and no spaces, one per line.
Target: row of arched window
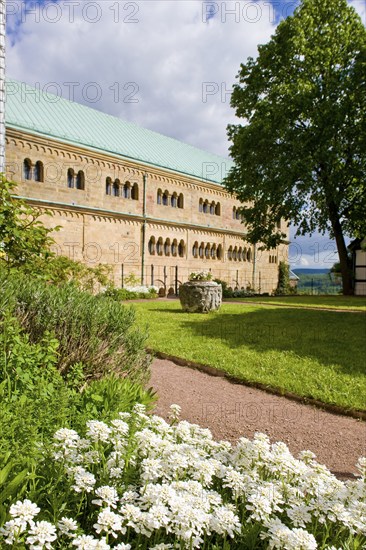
{"x":33,"y":171}
{"x":208,"y":251}
{"x":126,"y":190}
{"x":239,"y":254}
{"x":174,"y":200}
{"x":209,"y":208}
{"x":76,"y":180}
{"x":272,"y":259}
{"x":167,"y":247}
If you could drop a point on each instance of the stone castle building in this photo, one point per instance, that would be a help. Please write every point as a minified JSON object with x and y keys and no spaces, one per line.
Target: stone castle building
{"x":128,"y":197}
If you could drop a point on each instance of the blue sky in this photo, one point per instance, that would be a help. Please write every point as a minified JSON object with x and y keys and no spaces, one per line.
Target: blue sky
{"x":168,"y":65}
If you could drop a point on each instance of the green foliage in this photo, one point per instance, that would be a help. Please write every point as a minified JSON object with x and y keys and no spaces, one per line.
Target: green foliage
{"x":60,"y":269}
{"x":132,"y":280}
{"x":36,"y":400}
{"x":283,"y":285}
{"x":104,"y":398}
{"x":200,"y":276}
{"x":301,"y":155}
{"x":33,"y":398}
{"x":23,"y":236}
{"x":11,"y":485}
{"x":319,"y":283}
{"x":99,"y":333}
{"x":122,"y":294}
{"x":228,"y":292}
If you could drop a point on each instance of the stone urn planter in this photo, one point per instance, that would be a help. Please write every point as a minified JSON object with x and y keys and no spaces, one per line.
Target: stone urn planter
{"x":200,"y":296}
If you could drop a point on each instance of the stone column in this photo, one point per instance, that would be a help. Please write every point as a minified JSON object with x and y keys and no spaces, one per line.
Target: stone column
{"x":2,"y":84}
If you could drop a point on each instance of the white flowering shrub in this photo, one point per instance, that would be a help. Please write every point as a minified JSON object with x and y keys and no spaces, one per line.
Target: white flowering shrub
{"x":140,"y":483}
{"x":200,"y":276}
{"x":143,"y":289}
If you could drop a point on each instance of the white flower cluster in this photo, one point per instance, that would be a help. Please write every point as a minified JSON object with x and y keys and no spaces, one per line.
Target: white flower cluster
{"x":173,"y":486}
{"x":142,"y":289}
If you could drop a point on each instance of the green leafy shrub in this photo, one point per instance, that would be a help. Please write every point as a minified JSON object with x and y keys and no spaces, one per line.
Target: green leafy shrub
{"x":100,"y":334}
{"x":283,"y":286}
{"x":123,"y":294}
{"x":60,"y":269}
{"x":35,"y":400}
{"x":23,"y":236}
{"x":228,"y":292}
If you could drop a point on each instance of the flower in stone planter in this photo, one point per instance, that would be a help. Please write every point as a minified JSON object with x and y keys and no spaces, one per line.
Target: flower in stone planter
{"x":200,"y":276}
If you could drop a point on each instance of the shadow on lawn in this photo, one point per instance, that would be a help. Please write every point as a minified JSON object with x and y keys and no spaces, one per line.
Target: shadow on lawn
{"x":329,"y":337}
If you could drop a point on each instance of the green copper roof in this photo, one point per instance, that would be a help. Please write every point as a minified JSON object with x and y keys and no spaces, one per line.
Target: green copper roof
{"x":52,"y":116}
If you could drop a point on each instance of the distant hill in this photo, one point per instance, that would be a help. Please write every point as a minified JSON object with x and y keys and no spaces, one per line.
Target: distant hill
{"x":310,"y":271}
{"x":316,"y":281}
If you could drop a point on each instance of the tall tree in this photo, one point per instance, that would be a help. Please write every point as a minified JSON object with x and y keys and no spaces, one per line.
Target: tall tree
{"x":23,"y":237}
{"x":301,"y":153}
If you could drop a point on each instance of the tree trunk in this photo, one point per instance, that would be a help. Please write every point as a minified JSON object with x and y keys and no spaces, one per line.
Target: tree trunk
{"x":346,"y":272}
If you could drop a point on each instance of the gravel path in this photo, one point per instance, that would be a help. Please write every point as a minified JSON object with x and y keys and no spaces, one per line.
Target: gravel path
{"x":233,"y":410}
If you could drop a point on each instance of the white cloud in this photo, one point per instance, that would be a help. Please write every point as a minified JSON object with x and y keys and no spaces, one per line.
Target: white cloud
{"x":316,"y":251}
{"x":169,"y":55}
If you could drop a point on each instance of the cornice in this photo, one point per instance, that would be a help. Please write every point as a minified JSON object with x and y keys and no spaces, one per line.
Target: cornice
{"x":80,"y":209}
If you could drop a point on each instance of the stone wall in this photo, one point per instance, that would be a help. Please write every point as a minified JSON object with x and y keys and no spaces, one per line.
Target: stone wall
{"x":102,"y":228}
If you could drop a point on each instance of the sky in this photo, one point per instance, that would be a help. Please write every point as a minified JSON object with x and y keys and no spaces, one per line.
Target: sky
{"x":167,"y":65}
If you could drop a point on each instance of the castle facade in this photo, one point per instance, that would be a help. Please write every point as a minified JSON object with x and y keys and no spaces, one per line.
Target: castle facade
{"x":143,"y":203}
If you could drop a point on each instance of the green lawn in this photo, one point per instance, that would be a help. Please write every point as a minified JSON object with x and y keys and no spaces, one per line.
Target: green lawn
{"x":317,"y":354}
{"x":330,"y":302}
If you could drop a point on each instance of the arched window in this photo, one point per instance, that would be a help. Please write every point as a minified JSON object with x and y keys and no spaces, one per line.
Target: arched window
{"x":218,"y":209}
{"x":151,"y":246}
{"x":278,"y":224}
{"x":174,"y":200}
{"x":200,"y":206}
{"x":205,"y":207}
{"x":38,"y":171}
{"x":27,"y":169}
{"x":174,"y":247}
{"x":181,"y":249}
{"x":165,"y":198}
{"x":160,"y":246}
{"x":207,"y":251}
{"x":244,"y":255}
{"x":230,"y":253}
{"x":80,"y":180}
{"x":201,"y":251}
{"x":127,"y":190}
{"x":234,"y":212}
{"x":212,"y":208}
{"x":159,"y":196}
{"x":181,"y":201}
{"x":238,"y":216}
{"x":235,"y":253}
{"x":135,"y":192}
{"x":115,"y":189}
{"x":70,"y":178}
{"x":108,"y":186}
{"x":167,"y":247}
{"x":249,"y":255}
{"x":195,"y":250}
{"x":240,"y":254}
{"x":219,"y":252}
{"x":213,"y":252}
